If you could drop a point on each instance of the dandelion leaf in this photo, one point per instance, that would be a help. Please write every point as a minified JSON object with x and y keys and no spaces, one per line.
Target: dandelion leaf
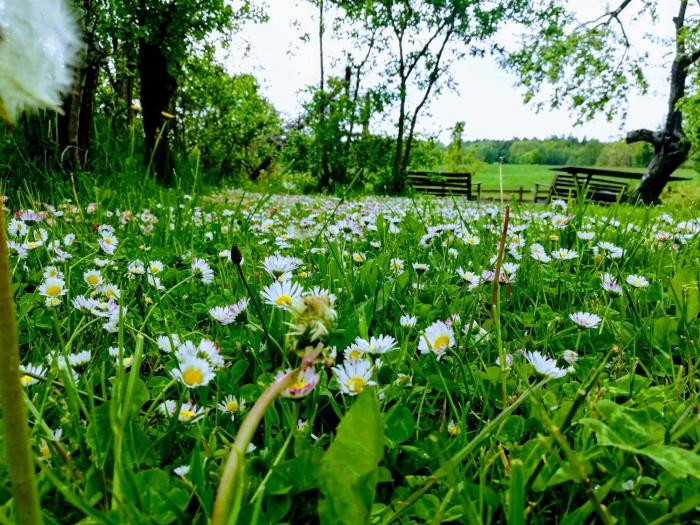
{"x":641,"y":431}
{"x":350,"y":468}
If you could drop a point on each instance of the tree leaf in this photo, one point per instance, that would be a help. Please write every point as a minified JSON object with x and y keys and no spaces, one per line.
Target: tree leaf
{"x":349,"y":469}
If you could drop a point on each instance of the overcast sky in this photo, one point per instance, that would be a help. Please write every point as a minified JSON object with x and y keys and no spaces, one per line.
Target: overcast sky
{"x":487,"y":99}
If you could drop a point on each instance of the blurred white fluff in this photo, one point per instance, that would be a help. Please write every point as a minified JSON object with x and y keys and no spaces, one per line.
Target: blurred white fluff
{"x":39,"y":47}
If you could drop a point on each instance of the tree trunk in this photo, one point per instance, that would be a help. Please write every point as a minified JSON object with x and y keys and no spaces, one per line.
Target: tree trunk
{"x":74,"y":131}
{"x":671,"y":148}
{"x":397,"y":182}
{"x":158,"y":87}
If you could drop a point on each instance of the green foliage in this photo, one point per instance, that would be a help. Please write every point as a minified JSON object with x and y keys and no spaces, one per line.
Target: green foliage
{"x":557,"y":151}
{"x":641,"y":431}
{"x":233,"y":127}
{"x":589,"y":62}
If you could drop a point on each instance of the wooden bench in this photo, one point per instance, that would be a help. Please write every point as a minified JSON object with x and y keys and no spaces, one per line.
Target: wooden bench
{"x":596,"y":190}
{"x":443,"y":184}
{"x":599,"y":188}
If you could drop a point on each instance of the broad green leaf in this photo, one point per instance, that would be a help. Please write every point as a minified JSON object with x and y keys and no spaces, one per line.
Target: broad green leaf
{"x":638,"y":427}
{"x":350,"y":468}
{"x":637,"y":432}
{"x":400,"y":424}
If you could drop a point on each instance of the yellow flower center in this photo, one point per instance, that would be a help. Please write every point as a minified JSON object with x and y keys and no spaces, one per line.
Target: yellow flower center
{"x":283,"y":300}
{"x":110,"y":293}
{"x":107,"y":240}
{"x":354,"y":354}
{"x":154,"y":268}
{"x":193,"y":376}
{"x":232,"y":406}
{"x":25,"y":380}
{"x":356,"y":384}
{"x":93,"y":280}
{"x":32,"y":245}
{"x":186,"y":414}
{"x":441,"y":342}
{"x":53,"y":290}
{"x":44,"y":450}
{"x":298,"y":385}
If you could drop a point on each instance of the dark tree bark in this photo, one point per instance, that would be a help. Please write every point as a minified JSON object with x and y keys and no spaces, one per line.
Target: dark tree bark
{"x":671,"y":148}
{"x":75,"y":121}
{"x":158,"y":87}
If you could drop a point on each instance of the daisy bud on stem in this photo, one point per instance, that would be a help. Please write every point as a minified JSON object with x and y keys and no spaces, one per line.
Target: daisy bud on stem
{"x":237,"y":259}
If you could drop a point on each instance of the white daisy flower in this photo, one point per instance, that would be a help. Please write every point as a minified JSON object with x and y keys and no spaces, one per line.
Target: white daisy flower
{"x":79,"y":358}
{"x":182,"y":470}
{"x":545,"y":366}
{"x":354,"y":376}
{"x":52,"y":272}
{"x":230,"y":405}
{"x":193,"y":372}
{"x":155,"y":267}
{"x":637,"y":281}
{"x":585,"y":319}
{"x":437,"y":338}
{"x":280,"y":267}
{"x":228,"y":314}
{"x":376,"y":345}
{"x":281,"y":294}
{"x":396,"y":265}
{"x":421,"y":268}
{"x":165,"y":345}
{"x":570,"y":357}
{"x":108,"y":243}
{"x":93,"y":278}
{"x":610,"y":284}
{"x":206,"y":350}
{"x":188,"y":411}
{"x":31,"y":373}
{"x":202,"y":271}
{"x":136,"y":267}
{"x":52,"y":288}
{"x":563,"y":254}
{"x":408,"y":321}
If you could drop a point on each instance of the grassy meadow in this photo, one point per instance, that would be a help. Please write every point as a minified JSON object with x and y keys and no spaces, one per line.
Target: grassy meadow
{"x":347,"y":351}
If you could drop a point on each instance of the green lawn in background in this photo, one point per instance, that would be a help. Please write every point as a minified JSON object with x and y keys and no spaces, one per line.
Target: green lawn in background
{"x":527,"y":175}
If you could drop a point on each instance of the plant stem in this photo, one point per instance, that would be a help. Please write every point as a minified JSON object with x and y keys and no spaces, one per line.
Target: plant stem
{"x":16,"y":427}
{"x":230,"y":491}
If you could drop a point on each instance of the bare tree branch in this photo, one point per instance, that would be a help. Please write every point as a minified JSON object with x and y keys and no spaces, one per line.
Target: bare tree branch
{"x":654,"y":138}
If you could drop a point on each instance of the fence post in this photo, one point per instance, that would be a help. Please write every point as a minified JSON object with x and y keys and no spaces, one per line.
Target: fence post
{"x":520,"y":195}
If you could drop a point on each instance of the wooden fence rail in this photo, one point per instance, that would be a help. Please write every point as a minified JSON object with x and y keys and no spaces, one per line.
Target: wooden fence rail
{"x":522,"y":194}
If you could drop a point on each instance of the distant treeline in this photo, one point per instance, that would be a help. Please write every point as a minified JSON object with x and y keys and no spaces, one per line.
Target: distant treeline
{"x":560,"y":150}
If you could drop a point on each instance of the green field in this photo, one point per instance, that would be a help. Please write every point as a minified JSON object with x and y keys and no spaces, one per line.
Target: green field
{"x":527,"y":175}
